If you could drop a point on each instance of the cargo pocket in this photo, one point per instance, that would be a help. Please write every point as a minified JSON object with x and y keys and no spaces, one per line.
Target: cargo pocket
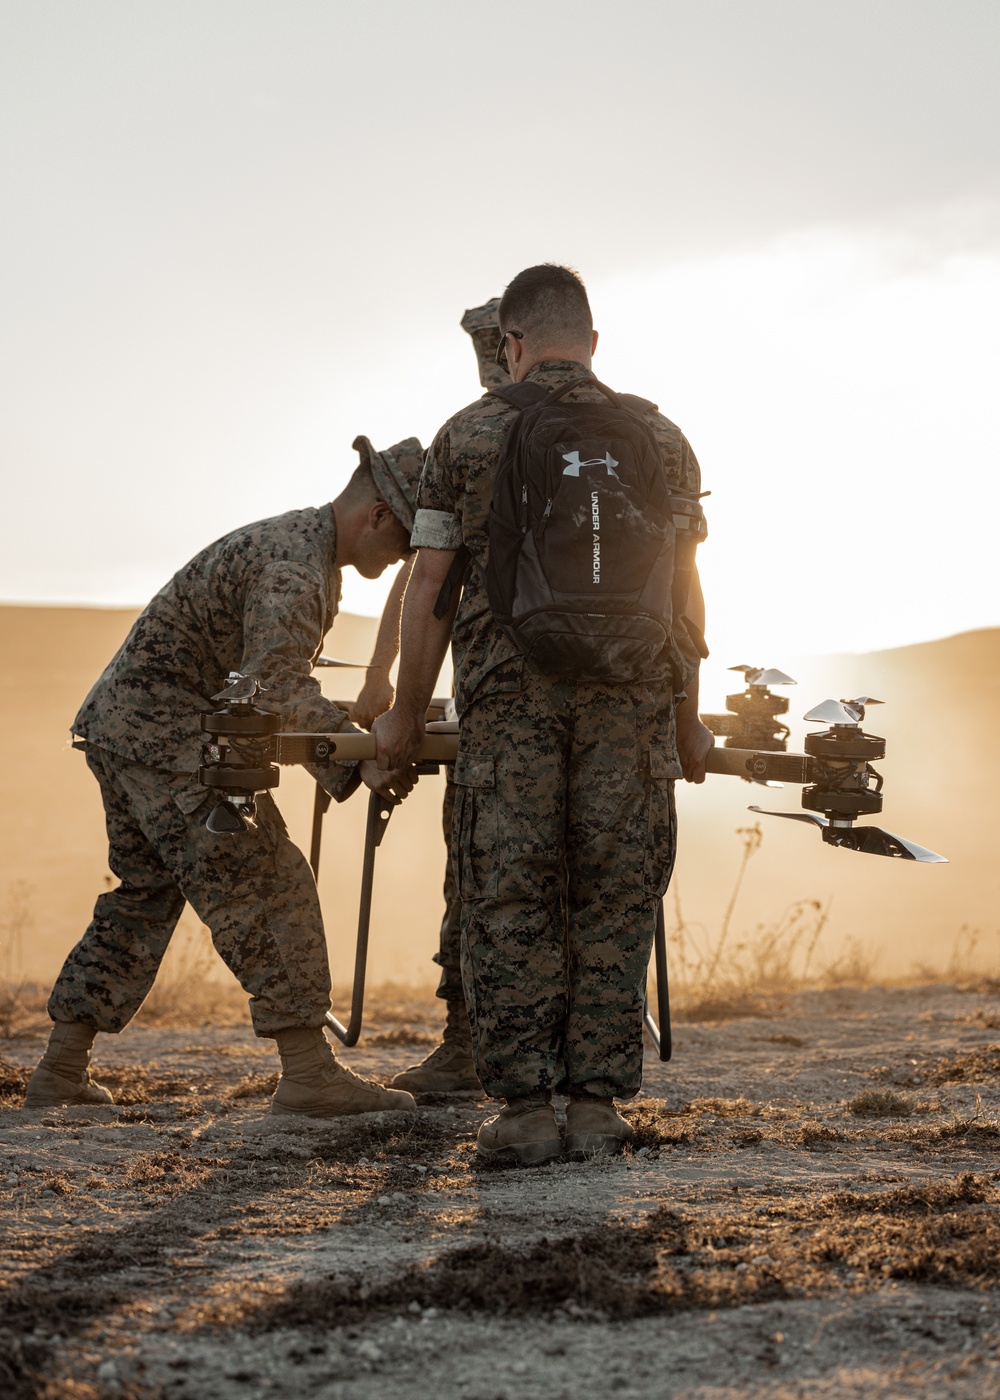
{"x":661,"y":835}
{"x":476,"y":831}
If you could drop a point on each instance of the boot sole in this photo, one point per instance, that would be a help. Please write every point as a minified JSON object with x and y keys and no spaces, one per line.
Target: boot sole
{"x":54,"y":1101}
{"x":582,"y":1146}
{"x":528,"y":1154}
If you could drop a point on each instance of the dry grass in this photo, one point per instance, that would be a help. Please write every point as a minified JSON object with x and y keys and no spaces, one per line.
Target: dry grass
{"x":724,"y":975}
{"x":967,"y":955}
{"x":881,"y":1103}
{"x":22,"y":1008}
{"x":167,"y":1221}
{"x":966,"y":1065}
{"x":947,"y":1233}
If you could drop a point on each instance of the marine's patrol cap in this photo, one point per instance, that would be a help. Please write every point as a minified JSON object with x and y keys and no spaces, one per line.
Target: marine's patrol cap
{"x":482,"y":324}
{"x":396,"y":474}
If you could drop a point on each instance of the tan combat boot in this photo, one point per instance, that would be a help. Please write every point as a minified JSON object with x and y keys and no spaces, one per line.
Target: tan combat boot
{"x":524,"y":1128}
{"x":62,"y":1076}
{"x":315,"y":1084}
{"x":595,"y":1128}
{"x":449,"y":1069}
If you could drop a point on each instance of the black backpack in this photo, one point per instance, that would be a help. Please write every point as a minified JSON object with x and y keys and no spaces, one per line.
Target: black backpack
{"x":581,"y":557}
{"x":582,"y":575}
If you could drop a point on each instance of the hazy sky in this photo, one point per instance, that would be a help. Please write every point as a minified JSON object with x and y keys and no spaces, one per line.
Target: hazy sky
{"x":236,"y":234}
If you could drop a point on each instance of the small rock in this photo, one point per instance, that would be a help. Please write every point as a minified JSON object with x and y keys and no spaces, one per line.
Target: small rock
{"x":384,"y":1201}
{"x":370,"y":1351}
{"x":107,"y":1371}
{"x":414,"y":1307}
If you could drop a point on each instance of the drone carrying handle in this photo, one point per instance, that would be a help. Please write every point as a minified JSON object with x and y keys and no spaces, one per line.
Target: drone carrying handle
{"x":352,"y":747}
{"x":764,"y":767}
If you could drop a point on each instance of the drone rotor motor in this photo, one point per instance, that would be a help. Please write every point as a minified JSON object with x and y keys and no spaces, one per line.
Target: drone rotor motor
{"x":846,"y":786}
{"x":236,"y":757}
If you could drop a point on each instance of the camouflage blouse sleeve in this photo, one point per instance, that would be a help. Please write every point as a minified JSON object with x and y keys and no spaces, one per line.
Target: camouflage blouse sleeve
{"x":284,"y":622}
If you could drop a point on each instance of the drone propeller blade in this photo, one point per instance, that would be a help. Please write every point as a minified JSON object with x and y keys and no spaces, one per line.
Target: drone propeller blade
{"x":873,"y":841}
{"x":813,"y":817}
{"x":864,"y":700}
{"x":835,"y":712}
{"x":772,"y":676}
{"x":226,"y":820}
{"x":333,"y":661}
{"x":757,"y":675}
{"x":240,"y":688}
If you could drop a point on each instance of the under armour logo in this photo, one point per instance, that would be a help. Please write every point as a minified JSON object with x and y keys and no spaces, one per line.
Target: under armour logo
{"x":573,"y":458}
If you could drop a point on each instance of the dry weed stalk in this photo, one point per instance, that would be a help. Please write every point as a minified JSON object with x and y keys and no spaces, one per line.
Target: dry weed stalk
{"x":19,"y":999}
{"x":716,"y":978}
{"x":967,"y":962}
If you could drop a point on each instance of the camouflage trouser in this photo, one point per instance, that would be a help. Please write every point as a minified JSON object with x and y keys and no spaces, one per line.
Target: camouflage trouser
{"x":449,"y":954}
{"x":564,"y":841}
{"x":255,"y":892}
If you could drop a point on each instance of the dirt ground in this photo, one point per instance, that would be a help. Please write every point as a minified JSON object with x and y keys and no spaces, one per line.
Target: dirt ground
{"x":809,"y":1209}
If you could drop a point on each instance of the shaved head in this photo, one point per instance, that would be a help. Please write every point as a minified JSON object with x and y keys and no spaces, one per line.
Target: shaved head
{"x":549,"y":304}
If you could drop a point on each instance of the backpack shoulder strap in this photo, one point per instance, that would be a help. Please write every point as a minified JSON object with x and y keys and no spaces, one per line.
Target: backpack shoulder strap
{"x":454,"y":579}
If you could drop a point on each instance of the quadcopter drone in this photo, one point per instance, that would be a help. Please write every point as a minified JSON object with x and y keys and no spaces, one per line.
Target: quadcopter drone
{"x":245,"y":749}
{"x":246,"y":746}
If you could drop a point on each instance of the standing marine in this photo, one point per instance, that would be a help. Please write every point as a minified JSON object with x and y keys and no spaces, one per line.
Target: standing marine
{"x":565,"y":828}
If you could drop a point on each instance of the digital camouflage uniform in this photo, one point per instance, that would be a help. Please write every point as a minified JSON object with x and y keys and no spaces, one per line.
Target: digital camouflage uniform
{"x":564,"y":832}
{"x":259,"y":601}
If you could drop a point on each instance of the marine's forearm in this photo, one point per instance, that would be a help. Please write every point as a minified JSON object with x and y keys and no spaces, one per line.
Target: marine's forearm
{"x":424,"y":643}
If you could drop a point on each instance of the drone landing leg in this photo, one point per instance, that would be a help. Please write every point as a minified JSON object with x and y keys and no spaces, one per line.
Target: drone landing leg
{"x":660,"y":1034}
{"x":321,"y":805}
{"x":379,"y":812}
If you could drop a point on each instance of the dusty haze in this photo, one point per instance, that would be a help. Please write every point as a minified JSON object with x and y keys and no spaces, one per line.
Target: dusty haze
{"x":940,"y":791}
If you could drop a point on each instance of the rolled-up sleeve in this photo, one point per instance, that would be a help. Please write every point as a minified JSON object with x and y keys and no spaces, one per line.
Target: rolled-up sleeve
{"x":436,"y":529}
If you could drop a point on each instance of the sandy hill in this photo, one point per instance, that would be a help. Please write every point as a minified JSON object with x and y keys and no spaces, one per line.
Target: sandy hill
{"x":940,"y":789}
